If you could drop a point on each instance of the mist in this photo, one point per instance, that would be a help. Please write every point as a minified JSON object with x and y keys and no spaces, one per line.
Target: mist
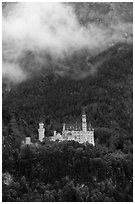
{"x":52,"y":29}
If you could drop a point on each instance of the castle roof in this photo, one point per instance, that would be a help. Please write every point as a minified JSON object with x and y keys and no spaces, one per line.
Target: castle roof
{"x":83,"y":111}
{"x":76,"y":127}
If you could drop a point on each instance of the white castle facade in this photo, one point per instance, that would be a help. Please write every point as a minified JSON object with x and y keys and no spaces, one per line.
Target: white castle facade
{"x":81,"y":133}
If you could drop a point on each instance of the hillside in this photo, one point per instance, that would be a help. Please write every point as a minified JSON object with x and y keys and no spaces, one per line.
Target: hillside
{"x":57,"y":59}
{"x":106,"y":94}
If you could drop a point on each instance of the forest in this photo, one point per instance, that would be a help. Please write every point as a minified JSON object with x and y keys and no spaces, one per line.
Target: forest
{"x":69,"y":171}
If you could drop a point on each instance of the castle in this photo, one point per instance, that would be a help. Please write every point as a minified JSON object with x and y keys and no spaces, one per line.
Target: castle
{"x":79,"y":132}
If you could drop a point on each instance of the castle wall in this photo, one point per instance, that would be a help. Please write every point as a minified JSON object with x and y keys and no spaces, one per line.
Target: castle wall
{"x":81,"y":136}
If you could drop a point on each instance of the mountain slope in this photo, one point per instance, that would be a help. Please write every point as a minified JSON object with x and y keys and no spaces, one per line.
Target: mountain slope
{"x":106,"y":94}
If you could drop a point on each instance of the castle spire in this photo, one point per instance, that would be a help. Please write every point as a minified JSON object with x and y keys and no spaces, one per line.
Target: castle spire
{"x":83,"y":111}
{"x":64,"y":126}
{"x":84,"y":122}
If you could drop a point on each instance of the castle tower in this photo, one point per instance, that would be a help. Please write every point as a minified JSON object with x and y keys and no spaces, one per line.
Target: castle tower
{"x":63,"y":126}
{"x":84,"y":122}
{"x":28,"y":140}
{"x":92,"y":138}
{"x":41,"y":131}
{"x":54,"y":135}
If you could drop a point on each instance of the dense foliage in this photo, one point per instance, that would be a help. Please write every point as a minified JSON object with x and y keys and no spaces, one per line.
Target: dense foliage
{"x":70,"y":171}
{"x":106,"y":95}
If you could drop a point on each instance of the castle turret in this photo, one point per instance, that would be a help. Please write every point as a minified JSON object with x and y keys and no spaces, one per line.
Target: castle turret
{"x":84,"y":122}
{"x":41,"y":131}
{"x":28,"y":140}
{"x":54,"y":135}
{"x":63,"y":126}
{"x":92,"y":137}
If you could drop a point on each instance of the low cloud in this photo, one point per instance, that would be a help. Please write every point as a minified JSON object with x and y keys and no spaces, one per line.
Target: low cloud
{"x":51,"y":29}
{"x":13,"y":72}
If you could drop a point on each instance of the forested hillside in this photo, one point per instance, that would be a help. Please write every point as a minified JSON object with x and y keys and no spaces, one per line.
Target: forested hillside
{"x":80,"y":173}
{"x":54,"y":86}
{"x":106,"y":95}
{"x":68,"y":172}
